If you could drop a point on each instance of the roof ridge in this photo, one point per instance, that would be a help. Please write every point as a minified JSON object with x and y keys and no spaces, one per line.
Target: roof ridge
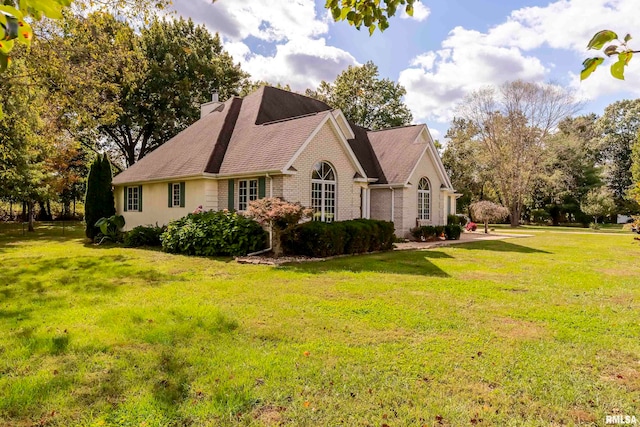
{"x":396,"y":127}
{"x":294,"y":118}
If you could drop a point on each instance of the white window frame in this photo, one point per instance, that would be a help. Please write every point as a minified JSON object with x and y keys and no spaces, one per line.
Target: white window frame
{"x":247,"y":192}
{"x":175,"y":195}
{"x":133,"y":199}
{"x":324,"y":192}
{"x":424,"y":199}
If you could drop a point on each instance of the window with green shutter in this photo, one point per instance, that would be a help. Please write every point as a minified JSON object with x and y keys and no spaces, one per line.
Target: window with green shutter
{"x":230,"y":195}
{"x":176,"y":195}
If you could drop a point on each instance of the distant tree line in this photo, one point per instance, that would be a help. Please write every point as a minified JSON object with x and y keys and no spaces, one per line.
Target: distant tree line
{"x":522,"y":146}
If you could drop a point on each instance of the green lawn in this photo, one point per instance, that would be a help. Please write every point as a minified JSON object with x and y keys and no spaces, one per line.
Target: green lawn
{"x":577,"y":228}
{"x":522,"y":332}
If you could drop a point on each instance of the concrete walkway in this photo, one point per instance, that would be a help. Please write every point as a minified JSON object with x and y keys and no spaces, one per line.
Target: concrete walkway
{"x":466,"y":237}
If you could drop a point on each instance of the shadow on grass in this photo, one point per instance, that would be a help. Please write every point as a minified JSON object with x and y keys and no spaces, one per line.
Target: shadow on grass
{"x":500,"y":246}
{"x":415,"y":263}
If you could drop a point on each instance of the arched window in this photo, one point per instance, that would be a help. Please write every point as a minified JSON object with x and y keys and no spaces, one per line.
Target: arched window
{"x":323,"y":192}
{"x":424,"y":199}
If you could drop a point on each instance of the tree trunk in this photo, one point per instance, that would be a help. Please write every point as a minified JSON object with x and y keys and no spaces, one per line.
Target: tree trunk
{"x":49,"y":214}
{"x":276,"y":243}
{"x":23,"y":216}
{"x":515,"y":216}
{"x":11,"y":210}
{"x":31,"y":215}
{"x":486,"y":227}
{"x":43,"y":215}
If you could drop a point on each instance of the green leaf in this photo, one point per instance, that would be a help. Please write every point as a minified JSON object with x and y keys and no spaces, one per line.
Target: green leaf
{"x":590,"y":64}
{"x":611,"y":50}
{"x":409,"y":10}
{"x":6,"y":46}
{"x":617,"y":69}
{"x":1,"y":113}
{"x":335,"y":12}
{"x":51,"y":9}
{"x":344,"y":13}
{"x":627,"y":38}
{"x":372,"y":28}
{"x":600,"y":38}
{"x":25,"y":33}
{"x":11,"y":11}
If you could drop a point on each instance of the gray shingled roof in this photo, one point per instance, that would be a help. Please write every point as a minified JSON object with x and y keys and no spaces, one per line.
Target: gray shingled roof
{"x":262,"y":132}
{"x":269,"y":146}
{"x":186,"y":154}
{"x":397,"y":152}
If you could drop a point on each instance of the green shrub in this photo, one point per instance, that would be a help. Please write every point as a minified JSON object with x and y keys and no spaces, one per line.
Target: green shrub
{"x":452,"y":231}
{"x":540,"y":216}
{"x":213,"y":234}
{"x":144,"y":236}
{"x":456,"y":219}
{"x":320,"y":239}
{"x":424,"y":233}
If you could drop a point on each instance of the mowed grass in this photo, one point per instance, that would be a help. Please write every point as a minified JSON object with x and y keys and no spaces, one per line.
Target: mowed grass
{"x":522,"y":332}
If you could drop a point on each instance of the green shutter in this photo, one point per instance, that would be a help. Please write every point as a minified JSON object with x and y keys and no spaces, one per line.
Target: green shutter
{"x":231,"y":204}
{"x":182,"y":186}
{"x":170,"y":196}
{"x":139,"y":198}
{"x":125,"y":198}
{"x":262,"y":187}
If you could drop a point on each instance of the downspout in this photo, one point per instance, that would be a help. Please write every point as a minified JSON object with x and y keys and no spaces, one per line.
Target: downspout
{"x":393,"y":203}
{"x":270,"y":229}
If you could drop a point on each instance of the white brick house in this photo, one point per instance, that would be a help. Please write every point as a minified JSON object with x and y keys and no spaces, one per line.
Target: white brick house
{"x":277,"y":143}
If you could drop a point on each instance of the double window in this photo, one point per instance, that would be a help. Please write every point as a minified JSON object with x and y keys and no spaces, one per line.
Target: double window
{"x":424,"y":199}
{"x":247,"y":192}
{"x":323,"y":192}
{"x":133,"y":199}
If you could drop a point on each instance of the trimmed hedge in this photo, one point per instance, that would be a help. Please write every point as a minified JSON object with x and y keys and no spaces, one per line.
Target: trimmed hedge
{"x":321,"y":239}
{"x":213,"y":234}
{"x":427,"y":232}
{"x":431,"y":232}
{"x":144,"y":236}
{"x":452,"y":232}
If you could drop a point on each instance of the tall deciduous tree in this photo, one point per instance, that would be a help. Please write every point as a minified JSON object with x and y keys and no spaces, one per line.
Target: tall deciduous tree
{"x":462,"y":158}
{"x":634,"y":191}
{"x":365,"y":99}
{"x":618,"y":129}
{"x":569,"y":169}
{"x":24,"y":140}
{"x":185,"y":64}
{"x":513,"y":123}
{"x":132,"y":92}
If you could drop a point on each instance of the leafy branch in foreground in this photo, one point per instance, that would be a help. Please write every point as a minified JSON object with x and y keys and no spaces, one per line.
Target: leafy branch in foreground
{"x":14,"y":28}
{"x":369,"y":13}
{"x":615,"y":47}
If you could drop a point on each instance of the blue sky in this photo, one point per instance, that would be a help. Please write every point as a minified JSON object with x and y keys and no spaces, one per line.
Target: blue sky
{"x":446,"y":50}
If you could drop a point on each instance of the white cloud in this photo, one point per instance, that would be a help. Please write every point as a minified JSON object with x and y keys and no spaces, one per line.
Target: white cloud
{"x":437,"y":80}
{"x":301,"y":56}
{"x":269,"y":21}
{"x":420,"y":12}
{"x":302,"y":64}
